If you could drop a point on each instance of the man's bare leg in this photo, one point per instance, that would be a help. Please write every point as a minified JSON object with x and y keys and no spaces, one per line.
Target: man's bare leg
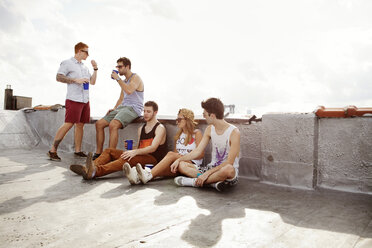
{"x":114,"y":126}
{"x":100,"y":134}
{"x":218,"y":177}
{"x":79,"y":131}
{"x":61,"y":133}
{"x":227,"y":172}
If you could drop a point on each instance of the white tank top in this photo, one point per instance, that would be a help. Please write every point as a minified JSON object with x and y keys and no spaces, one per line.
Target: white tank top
{"x":182,"y":149}
{"x":221,"y":147}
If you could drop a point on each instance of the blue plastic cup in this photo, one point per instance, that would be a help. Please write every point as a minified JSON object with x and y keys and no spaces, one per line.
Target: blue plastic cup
{"x":116,"y":71}
{"x":129,"y":144}
{"x":86,"y":86}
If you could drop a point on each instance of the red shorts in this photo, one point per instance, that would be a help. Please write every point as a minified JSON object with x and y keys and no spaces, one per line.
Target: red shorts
{"x":77,"y":112}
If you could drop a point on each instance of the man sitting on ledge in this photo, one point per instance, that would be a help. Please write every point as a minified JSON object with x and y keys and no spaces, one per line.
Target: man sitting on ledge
{"x":152,"y":147}
{"x":128,"y":107}
{"x":223,"y":170}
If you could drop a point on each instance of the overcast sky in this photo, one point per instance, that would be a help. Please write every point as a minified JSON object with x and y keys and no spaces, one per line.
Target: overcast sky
{"x":262,"y":55}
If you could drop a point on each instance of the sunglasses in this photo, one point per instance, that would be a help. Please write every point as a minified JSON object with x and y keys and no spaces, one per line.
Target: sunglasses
{"x":179,"y":119}
{"x":119,"y":66}
{"x":85,"y":51}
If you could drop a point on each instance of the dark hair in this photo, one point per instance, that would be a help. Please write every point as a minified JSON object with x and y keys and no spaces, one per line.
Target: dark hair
{"x":80,"y":46}
{"x":214,"y":106}
{"x":125,"y":62}
{"x":152,"y":104}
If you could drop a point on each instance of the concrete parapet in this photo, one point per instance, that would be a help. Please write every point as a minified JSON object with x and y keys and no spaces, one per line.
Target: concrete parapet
{"x":345,"y":154}
{"x":288,"y":149}
{"x":15,"y":132}
{"x":250,"y":148}
{"x":46,"y":124}
{"x":296,"y":150}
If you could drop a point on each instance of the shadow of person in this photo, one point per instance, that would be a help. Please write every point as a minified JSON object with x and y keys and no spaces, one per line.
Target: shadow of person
{"x":206,"y":228}
{"x":259,"y":204}
{"x":36,"y":167}
{"x":66,"y":189}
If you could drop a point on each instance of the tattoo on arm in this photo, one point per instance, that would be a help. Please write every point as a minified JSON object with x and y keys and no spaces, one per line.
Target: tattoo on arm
{"x":63,"y":79}
{"x":56,"y":143}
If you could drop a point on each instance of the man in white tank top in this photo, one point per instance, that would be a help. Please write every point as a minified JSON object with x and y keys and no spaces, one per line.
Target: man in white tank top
{"x":223,"y":170}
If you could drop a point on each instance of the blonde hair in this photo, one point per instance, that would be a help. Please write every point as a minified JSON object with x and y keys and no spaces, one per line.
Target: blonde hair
{"x":190,"y":125}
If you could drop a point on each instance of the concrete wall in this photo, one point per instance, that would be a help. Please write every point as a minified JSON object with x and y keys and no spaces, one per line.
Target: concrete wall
{"x":345,"y":154}
{"x":296,"y":150}
{"x":287,"y":147}
{"x":15,"y":132}
{"x":251,"y":153}
{"x":46,"y":123}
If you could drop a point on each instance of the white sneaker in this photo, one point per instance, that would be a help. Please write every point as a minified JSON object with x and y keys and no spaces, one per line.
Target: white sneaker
{"x":131,"y":174}
{"x":143,"y":175}
{"x":184,"y":181}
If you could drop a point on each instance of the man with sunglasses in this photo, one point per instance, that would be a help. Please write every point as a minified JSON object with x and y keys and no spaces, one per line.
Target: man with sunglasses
{"x":128,"y":107}
{"x":77,"y":77}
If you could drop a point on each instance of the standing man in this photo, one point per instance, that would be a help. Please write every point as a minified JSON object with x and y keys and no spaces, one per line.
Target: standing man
{"x":223,"y":170}
{"x":152,"y":147}
{"x":77,"y":77}
{"x":128,"y":107}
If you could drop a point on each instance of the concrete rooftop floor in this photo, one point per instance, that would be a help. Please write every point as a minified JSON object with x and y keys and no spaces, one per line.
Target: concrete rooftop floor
{"x":43,"y":204}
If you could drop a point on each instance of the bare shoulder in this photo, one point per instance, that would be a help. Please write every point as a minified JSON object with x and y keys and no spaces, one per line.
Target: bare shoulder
{"x":160,"y":127}
{"x":236,"y":131}
{"x":197,"y":131}
{"x":137,"y":78}
{"x":208,"y":130}
{"x":235,"y":135}
{"x":138,"y":82}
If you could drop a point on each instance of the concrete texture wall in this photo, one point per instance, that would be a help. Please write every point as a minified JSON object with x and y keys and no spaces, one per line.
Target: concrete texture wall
{"x":251,"y":154}
{"x":46,"y":124}
{"x":15,"y":132}
{"x":345,"y":154}
{"x":288,"y":149}
{"x":296,"y":150}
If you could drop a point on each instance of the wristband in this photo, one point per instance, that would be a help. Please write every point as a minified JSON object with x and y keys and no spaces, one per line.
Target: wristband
{"x":197,"y":175}
{"x":96,"y":69}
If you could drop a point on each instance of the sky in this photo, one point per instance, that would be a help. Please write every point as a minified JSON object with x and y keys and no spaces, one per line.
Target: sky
{"x":261,"y":55}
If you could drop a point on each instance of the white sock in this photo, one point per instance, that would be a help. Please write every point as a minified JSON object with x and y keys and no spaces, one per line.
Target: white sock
{"x":188,"y":181}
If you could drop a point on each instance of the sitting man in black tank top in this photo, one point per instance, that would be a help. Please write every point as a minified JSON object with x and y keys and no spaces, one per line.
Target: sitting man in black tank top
{"x":152,"y":147}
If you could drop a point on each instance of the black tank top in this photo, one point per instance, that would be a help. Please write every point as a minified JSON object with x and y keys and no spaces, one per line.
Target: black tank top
{"x":146,"y":140}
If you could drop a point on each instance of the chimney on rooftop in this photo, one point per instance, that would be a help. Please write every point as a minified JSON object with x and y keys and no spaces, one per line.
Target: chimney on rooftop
{"x":8,"y":97}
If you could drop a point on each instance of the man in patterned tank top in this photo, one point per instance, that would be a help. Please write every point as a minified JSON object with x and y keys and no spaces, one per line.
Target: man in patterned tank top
{"x":128,"y":107}
{"x":223,"y":170}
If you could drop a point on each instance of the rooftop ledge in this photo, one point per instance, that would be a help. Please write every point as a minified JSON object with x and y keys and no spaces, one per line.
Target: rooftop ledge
{"x":297,"y":150}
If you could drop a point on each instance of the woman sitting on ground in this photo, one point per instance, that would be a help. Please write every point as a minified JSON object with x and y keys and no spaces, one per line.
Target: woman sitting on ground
{"x":186,"y":140}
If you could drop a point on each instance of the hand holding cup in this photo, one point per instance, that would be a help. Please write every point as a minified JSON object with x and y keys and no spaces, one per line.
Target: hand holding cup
{"x":114,"y":74}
